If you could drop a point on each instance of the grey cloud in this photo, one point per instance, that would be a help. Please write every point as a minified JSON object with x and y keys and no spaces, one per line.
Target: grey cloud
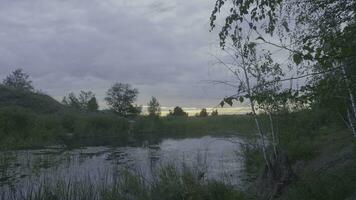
{"x":157,"y":46}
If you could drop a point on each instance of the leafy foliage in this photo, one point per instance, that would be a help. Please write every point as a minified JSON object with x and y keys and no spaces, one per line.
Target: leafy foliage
{"x":320,"y":38}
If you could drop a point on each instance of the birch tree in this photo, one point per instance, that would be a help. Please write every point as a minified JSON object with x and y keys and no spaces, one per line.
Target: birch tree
{"x":319,"y":36}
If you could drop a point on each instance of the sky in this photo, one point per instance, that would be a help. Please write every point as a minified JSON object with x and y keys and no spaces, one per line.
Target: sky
{"x":161,"y":47}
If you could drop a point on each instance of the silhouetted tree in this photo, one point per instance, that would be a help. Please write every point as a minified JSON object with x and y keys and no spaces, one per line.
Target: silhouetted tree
{"x":84,"y":98}
{"x":214,"y":113}
{"x":18,"y":79}
{"x":154,"y":108}
{"x":92,"y":105}
{"x":178,"y":111}
{"x":120,"y":98}
{"x":203,"y":113}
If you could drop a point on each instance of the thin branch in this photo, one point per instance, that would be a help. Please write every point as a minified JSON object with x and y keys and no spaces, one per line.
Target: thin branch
{"x":216,"y":82}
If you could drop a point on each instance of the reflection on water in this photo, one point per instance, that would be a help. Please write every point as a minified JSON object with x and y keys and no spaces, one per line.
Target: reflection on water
{"x":215,"y":158}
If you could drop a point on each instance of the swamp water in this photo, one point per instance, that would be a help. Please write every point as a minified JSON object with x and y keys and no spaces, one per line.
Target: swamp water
{"x":213,"y":157}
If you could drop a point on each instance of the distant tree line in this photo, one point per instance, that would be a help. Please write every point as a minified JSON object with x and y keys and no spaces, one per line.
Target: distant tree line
{"x":120,"y":98}
{"x":205,"y":113}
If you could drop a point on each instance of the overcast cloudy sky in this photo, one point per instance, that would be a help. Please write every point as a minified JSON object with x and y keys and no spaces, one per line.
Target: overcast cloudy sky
{"x":161,"y":47}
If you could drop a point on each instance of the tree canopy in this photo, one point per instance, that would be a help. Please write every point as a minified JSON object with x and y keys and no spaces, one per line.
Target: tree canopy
{"x":120,"y":98}
{"x":319,"y":36}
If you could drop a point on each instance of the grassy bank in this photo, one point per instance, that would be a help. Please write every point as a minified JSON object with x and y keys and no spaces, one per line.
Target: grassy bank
{"x":24,"y":128}
{"x":321,"y":151}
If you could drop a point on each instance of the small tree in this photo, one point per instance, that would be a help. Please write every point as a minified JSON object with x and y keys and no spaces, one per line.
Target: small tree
{"x":203,"y":113}
{"x":178,"y":111}
{"x":154,"y":108}
{"x":120,"y":98}
{"x":18,"y":79}
{"x":92,"y":105}
{"x":84,"y":98}
{"x":214,"y":113}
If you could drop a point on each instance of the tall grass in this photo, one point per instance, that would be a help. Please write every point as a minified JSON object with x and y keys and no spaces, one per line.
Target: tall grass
{"x":169,"y":183}
{"x":334,"y":181}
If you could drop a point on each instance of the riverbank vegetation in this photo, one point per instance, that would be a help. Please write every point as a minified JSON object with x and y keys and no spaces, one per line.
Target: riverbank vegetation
{"x":31,"y":119}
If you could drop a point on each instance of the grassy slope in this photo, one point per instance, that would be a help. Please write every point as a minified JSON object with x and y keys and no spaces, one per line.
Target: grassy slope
{"x":30,"y":119}
{"x":36,"y":102}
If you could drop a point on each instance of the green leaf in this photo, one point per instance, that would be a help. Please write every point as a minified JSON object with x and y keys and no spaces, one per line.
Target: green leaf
{"x":222,"y":103}
{"x":297,"y":58}
{"x":308,"y":48}
{"x":308,"y":57}
{"x":241,"y":99}
{"x":228,"y":101}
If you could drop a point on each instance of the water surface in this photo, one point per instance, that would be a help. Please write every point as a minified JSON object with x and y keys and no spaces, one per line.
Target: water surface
{"x":216,"y":158}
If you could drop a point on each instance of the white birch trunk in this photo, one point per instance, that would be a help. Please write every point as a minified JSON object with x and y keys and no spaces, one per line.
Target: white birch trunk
{"x":274,"y":138}
{"x":351,"y":122}
{"x":348,"y":86}
{"x":350,"y":114}
{"x":258,"y":125}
